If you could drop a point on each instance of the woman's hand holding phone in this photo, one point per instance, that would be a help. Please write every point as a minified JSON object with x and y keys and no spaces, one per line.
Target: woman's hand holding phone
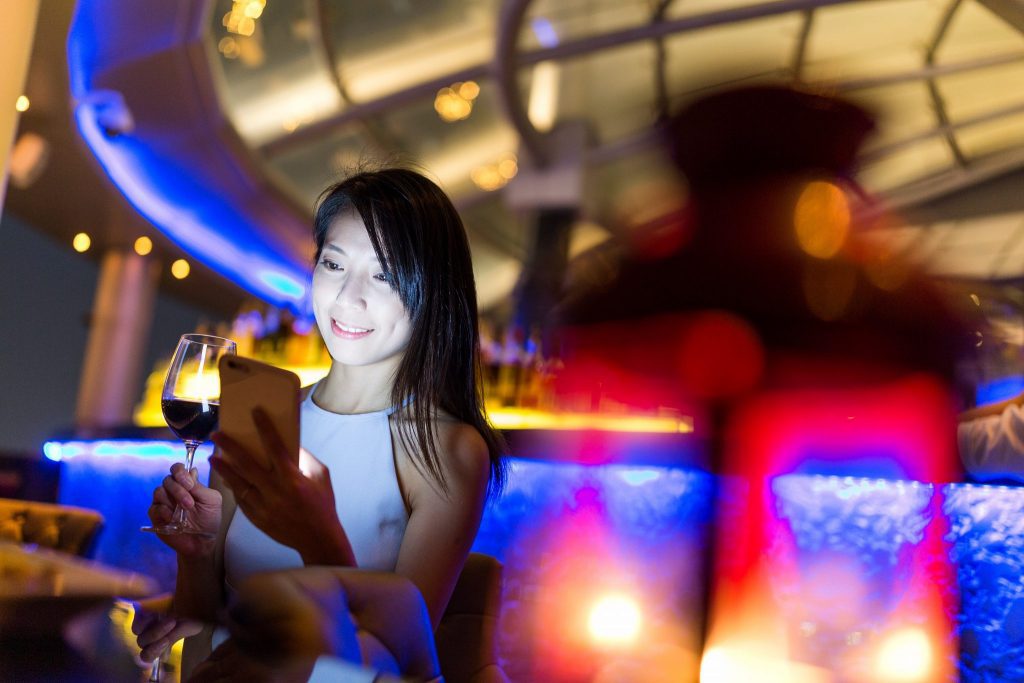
{"x":203,"y":504}
{"x":294,"y":506}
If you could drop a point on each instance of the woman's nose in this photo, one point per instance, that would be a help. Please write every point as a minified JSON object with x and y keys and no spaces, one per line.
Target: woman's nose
{"x":351,"y":293}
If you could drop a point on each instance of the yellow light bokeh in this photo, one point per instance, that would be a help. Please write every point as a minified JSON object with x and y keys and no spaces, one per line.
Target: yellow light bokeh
{"x":22,"y":103}
{"x":199,"y":386}
{"x":469,"y":90}
{"x":143,"y":246}
{"x":180,"y":269}
{"x":822,"y":219}
{"x":615,"y":620}
{"x":81,"y":242}
{"x":905,"y":655}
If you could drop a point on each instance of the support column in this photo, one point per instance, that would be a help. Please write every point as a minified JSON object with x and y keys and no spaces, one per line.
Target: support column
{"x":18,"y":19}
{"x":551,"y":195}
{"x":122,"y":315}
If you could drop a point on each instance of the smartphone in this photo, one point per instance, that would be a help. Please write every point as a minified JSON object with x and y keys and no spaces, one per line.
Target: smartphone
{"x":246,"y":384}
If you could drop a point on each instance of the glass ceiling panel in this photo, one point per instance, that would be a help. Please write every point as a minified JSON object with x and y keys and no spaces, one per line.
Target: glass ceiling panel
{"x":452,"y":151}
{"x":312,"y":166}
{"x":275,"y":77}
{"x":979,"y":92}
{"x":549,"y":22}
{"x":870,"y":39}
{"x":927,"y":158}
{"x":744,"y":50}
{"x":384,"y":47}
{"x":976,"y":32}
{"x":613,"y":90}
{"x":989,"y":138}
{"x":902,"y":111}
{"x":972,"y":249}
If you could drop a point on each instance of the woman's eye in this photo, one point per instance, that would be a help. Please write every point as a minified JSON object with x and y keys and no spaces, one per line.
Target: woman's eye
{"x":330,"y":265}
{"x":383,"y":277}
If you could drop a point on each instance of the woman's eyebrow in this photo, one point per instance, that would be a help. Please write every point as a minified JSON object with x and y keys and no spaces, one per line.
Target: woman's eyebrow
{"x":334,"y":247}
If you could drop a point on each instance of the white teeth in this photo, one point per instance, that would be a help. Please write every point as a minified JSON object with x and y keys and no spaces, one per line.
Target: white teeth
{"x":351,"y":330}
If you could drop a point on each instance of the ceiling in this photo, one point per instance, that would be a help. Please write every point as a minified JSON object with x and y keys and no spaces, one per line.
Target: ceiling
{"x":261,"y":105}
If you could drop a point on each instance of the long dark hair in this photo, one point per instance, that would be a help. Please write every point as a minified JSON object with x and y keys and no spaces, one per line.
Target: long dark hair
{"x":419,"y":238}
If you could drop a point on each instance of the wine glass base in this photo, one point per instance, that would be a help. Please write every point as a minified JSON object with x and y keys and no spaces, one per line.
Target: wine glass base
{"x":177,"y":529}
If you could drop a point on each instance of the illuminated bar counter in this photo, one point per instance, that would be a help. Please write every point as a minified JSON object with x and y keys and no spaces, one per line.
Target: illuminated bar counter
{"x":631,"y":523}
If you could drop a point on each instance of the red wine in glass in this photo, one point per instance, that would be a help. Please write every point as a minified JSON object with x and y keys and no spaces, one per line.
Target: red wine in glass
{"x":190,"y":403}
{"x":190,"y":420}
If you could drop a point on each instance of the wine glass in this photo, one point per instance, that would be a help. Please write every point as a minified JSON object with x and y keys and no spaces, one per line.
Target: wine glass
{"x":190,"y":402}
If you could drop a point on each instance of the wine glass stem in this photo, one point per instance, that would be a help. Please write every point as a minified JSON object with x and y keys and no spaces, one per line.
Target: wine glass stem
{"x":190,"y":453}
{"x":154,"y":673}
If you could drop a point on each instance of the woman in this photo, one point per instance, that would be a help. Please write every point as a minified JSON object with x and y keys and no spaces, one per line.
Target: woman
{"x":397,"y":457}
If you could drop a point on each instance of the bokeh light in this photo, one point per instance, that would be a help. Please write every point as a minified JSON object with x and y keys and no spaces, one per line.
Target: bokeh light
{"x":143,"y":246}
{"x":180,"y":269}
{"x":905,"y":656}
{"x":81,"y":242}
{"x":614,"y":620}
{"x":22,"y":103}
{"x":822,"y":219}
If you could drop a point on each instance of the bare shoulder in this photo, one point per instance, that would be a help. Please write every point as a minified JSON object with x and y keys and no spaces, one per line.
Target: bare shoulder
{"x":465,"y":460}
{"x":464,"y":447}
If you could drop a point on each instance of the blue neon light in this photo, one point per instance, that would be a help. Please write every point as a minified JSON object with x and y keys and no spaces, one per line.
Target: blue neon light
{"x":119,"y":448}
{"x":545,"y":32}
{"x":172,"y":197}
{"x":999,"y":390}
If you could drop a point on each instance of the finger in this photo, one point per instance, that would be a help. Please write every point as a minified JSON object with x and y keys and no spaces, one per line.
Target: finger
{"x":232,"y":477}
{"x":177,"y":493}
{"x":156,"y":632}
{"x":151,"y":652}
{"x":142,"y":620}
{"x":239,"y":453}
{"x":159,"y":514}
{"x":160,"y":497}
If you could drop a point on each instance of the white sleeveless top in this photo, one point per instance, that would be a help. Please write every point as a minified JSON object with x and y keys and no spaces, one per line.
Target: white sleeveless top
{"x":357,"y":450}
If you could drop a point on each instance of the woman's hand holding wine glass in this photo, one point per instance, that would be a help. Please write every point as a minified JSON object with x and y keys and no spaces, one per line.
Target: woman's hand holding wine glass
{"x":191,"y":404}
{"x":203,"y":505}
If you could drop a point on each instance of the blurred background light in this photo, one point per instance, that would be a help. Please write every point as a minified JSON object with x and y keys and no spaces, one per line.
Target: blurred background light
{"x":22,"y":103}
{"x":81,"y":242}
{"x":180,"y":269}
{"x":615,"y":620}
{"x":905,"y":656}
{"x":822,"y":219}
{"x":143,"y":246}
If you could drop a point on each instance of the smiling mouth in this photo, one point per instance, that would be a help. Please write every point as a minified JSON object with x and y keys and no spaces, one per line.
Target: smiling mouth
{"x":349,"y":331}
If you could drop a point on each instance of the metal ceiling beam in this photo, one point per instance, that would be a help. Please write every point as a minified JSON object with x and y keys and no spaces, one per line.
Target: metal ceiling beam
{"x":944,"y":130}
{"x":933,"y":88}
{"x":566,"y":50}
{"x":505,"y":71}
{"x":954,"y":180}
{"x":927,"y":71}
{"x":508,"y":61}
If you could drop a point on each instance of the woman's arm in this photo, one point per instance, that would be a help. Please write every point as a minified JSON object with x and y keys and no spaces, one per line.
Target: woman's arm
{"x":441,"y":528}
{"x":199,"y":590}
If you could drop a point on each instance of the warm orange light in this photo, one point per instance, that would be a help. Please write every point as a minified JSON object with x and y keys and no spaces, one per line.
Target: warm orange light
{"x":143,"y":246}
{"x":614,"y":620}
{"x":905,"y":656}
{"x":469,"y":90}
{"x":822,"y":219}
{"x":452,"y":103}
{"x":743,"y":662}
{"x":81,"y":242}
{"x":22,"y":103}
{"x":180,"y":269}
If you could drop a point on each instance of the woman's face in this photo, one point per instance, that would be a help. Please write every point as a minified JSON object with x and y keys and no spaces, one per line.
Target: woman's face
{"x":361,"y":319}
